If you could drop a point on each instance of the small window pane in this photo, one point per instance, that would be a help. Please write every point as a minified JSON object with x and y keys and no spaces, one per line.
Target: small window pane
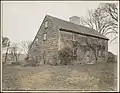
{"x":88,"y":53}
{"x":99,"y":53}
{"x":45,"y":36}
{"x":36,"y":41}
{"x":74,"y":37}
{"x":46,"y":24}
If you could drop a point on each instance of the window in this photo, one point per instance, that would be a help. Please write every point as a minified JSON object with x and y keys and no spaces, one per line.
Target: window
{"x":36,"y":41}
{"x":88,"y":56}
{"x":74,"y":51}
{"x":46,"y":24}
{"x":88,"y":53}
{"x":103,"y":47}
{"x":74,"y":37}
{"x":103,"y":51}
{"x":45,"y":36}
{"x":99,"y":53}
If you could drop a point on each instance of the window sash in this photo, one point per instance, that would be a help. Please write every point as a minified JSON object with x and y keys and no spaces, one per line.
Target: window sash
{"x":36,"y":41}
{"x":45,"y":36}
{"x":74,"y":37}
{"x":46,"y":24}
{"x":88,"y":53}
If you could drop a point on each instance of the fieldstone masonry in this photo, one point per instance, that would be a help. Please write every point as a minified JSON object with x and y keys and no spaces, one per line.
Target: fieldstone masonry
{"x":46,"y":51}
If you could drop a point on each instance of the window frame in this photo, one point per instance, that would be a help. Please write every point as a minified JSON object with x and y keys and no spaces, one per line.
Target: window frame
{"x":46,"y":24}
{"x":74,"y":37}
{"x":44,"y":36}
{"x":88,"y":53}
{"x":99,"y":53}
{"x":36,"y":41}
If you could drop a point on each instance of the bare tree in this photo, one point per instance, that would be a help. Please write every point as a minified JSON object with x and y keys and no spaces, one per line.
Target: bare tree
{"x":15,"y":52}
{"x":111,"y":9}
{"x":95,"y":46}
{"x":5,"y":45}
{"x":89,"y":21}
{"x":104,"y":19}
{"x":5,"y":41}
{"x":25,"y":45}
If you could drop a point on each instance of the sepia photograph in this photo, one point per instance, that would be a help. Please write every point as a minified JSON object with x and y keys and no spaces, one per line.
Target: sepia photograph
{"x":60,"y":46}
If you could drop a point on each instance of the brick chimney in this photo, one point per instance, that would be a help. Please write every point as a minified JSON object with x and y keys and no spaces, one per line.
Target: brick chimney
{"x":75,"y":20}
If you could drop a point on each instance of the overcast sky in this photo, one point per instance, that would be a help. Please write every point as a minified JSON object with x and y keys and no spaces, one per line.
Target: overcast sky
{"x":21,"y":20}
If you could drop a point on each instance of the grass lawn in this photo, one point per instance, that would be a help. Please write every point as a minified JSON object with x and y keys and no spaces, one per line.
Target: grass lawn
{"x":70,"y":77}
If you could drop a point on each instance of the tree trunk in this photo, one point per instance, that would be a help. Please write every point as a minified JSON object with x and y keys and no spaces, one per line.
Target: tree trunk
{"x":96,"y":57}
{"x":16,"y":59}
{"x":6,"y":54}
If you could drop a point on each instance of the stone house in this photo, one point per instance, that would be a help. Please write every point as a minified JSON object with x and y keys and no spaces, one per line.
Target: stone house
{"x":55,"y":34}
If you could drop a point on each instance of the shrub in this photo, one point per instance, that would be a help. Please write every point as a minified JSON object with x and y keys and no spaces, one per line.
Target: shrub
{"x":111,"y":57}
{"x":31,"y":63}
{"x":26,"y":58}
{"x":65,"y":55}
{"x":16,"y":63}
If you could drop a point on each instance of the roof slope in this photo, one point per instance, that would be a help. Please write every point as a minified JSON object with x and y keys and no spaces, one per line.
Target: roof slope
{"x":62,"y":24}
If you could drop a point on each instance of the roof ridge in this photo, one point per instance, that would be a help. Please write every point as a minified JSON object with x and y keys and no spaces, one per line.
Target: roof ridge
{"x":66,"y":21}
{"x":91,"y":29}
{"x":70,"y":22}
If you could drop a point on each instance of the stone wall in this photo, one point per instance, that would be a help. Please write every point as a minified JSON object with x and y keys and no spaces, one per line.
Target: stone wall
{"x":46,"y":49}
{"x":85,"y":52}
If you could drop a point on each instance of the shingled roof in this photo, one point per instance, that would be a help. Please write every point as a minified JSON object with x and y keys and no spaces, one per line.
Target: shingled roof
{"x":69,"y":26}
